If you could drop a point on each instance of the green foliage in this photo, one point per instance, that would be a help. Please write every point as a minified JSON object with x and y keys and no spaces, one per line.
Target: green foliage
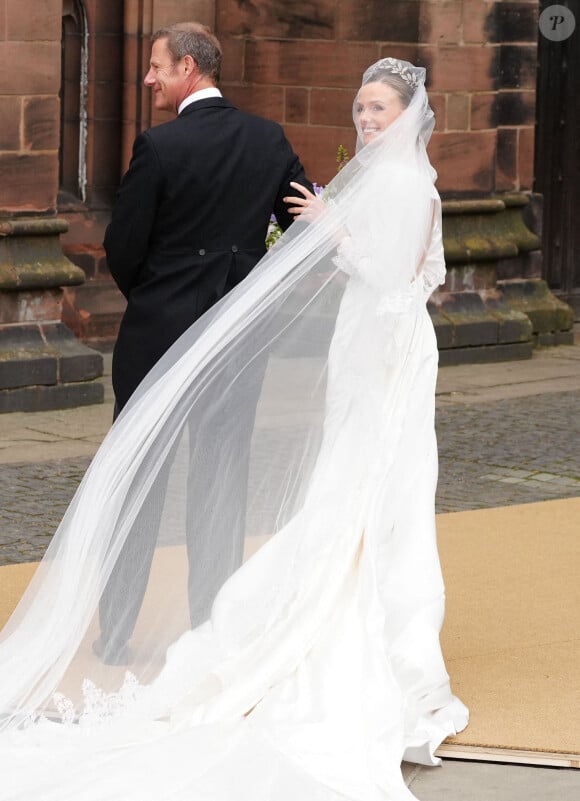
{"x":341,"y":157}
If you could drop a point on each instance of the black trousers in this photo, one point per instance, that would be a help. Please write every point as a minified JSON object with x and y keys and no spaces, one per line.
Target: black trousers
{"x":215,"y":523}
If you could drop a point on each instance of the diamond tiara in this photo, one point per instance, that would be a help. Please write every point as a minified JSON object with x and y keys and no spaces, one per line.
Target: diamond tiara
{"x":397,"y":68}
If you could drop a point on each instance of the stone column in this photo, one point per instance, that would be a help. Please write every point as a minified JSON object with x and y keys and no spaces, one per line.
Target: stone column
{"x":42,"y":365}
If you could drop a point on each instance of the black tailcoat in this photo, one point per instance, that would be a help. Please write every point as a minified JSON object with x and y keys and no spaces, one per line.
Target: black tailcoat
{"x":189,"y":223}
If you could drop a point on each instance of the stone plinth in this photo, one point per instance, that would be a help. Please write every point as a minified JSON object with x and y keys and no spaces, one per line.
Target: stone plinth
{"x":484,"y":313}
{"x":42,"y":365}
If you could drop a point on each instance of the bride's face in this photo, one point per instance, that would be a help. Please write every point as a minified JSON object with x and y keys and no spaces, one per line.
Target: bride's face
{"x":377,"y":106}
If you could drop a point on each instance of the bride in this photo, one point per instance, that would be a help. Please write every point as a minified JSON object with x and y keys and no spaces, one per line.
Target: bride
{"x":319,"y":667}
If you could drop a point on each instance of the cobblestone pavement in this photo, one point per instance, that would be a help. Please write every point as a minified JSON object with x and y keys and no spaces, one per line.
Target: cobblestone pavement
{"x":499,"y":453}
{"x":508,"y":452}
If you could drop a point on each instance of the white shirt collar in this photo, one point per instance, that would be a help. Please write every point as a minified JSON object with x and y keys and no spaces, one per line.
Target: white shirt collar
{"x":201,"y":94}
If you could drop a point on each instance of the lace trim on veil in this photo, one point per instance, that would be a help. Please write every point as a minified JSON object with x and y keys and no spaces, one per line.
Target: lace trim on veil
{"x":98,"y":706}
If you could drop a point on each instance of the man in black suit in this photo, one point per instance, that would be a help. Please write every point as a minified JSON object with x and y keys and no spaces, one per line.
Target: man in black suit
{"x":192,"y":211}
{"x":189,"y":224}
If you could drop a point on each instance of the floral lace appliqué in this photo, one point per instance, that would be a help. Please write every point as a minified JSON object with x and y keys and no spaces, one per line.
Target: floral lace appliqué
{"x":350,"y":257}
{"x":100,"y":707}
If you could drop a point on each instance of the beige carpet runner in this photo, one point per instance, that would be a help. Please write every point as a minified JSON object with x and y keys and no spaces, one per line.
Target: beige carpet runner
{"x":512,"y":631}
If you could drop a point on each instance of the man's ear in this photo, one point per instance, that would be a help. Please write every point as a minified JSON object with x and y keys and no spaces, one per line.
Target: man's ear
{"x":189,"y":64}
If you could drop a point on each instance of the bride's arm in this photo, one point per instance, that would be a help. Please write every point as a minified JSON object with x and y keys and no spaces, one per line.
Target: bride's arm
{"x":432,"y":266}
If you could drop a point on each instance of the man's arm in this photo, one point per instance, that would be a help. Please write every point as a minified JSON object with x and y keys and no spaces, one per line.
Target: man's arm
{"x":294,"y":172}
{"x":127,"y":235}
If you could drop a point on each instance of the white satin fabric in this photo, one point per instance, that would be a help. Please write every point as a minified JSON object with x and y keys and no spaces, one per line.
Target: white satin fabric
{"x":320,"y":667}
{"x":351,"y":679}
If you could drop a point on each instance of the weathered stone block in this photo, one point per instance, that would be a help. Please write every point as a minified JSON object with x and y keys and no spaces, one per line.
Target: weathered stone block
{"x":30,"y":76}
{"x":29,"y":181}
{"x":85,"y":257}
{"x":516,"y":108}
{"x":76,"y":362}
{"x":267,"y":101}
{"x":406,"y":52}
{"x":297,"y":105}
{"x":472,"y":324}
{"x":524,"y":265}
{"x":233,"y":51}
{"x":469,"y":277}
{"x":533,"y":297}
{"x":464,"y":161}
{"x":486,"y":354}
{"x":331,"y":107}
{"x":105,"y":100}
{"x":10,"y":113}
{"x":517,"y":66}
{"x":443,"y":327}
{"x":301,"y":19}
{"x":43,"y":24}
{"x":457,"y":112}
{"x":484,"y":111}
{"x":338,"y":64}
{"x":107,"y":59}
{"x":319,"y":146}
{"x":30,"y":306}
{"x":440,"y":22}
{"x":506,"y":170}
{"x":475,"y":14}
{"x":31,"y":257}
{"x":395,"y":21}
{"x":486,"y":230}
{"x":43,"y":398}
{"x":19,"y":368}
{"x":41,"y":123}
{"x":461,"y":68}
{"x":170,"y":11}
{"x":513,"y":22}
{"x":93,"y":311}
{"x":107,"y":17}
{"x":513,"y":326}
{"x":526,"y":146}
{"x":24,"y":358}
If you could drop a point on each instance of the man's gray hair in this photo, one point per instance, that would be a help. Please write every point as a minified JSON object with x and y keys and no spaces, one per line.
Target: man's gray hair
{"x":195,"y":40}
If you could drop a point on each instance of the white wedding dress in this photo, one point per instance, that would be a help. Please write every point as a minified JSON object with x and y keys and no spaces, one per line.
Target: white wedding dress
{"x":320,"y":668}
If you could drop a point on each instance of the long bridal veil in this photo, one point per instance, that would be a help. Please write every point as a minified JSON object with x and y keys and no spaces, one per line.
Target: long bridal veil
{"x":231,"y":444}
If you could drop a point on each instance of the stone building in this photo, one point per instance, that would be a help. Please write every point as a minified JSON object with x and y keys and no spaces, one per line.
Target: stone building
{"x":73,"y":100}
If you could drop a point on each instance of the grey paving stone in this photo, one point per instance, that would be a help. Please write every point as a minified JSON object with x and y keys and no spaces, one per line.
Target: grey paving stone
{"x":473,"y":781}
{"x":510,"y":451}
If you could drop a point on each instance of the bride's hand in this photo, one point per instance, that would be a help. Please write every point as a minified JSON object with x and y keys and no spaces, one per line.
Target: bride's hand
{"x":309,"y":208}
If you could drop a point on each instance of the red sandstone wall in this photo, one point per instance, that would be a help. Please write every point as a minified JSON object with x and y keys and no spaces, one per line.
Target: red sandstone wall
{"x":301,"y":62}
{"x":481,"y":59}
{"x":296,"y":61}
{"x":29,"y":106}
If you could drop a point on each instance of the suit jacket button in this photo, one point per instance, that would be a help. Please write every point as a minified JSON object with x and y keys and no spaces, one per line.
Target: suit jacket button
{"x":202,"y":251}
{"x":234,"y":248}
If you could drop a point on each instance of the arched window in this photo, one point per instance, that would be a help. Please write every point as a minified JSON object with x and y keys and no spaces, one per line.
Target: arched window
{"x":73,"y":100}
